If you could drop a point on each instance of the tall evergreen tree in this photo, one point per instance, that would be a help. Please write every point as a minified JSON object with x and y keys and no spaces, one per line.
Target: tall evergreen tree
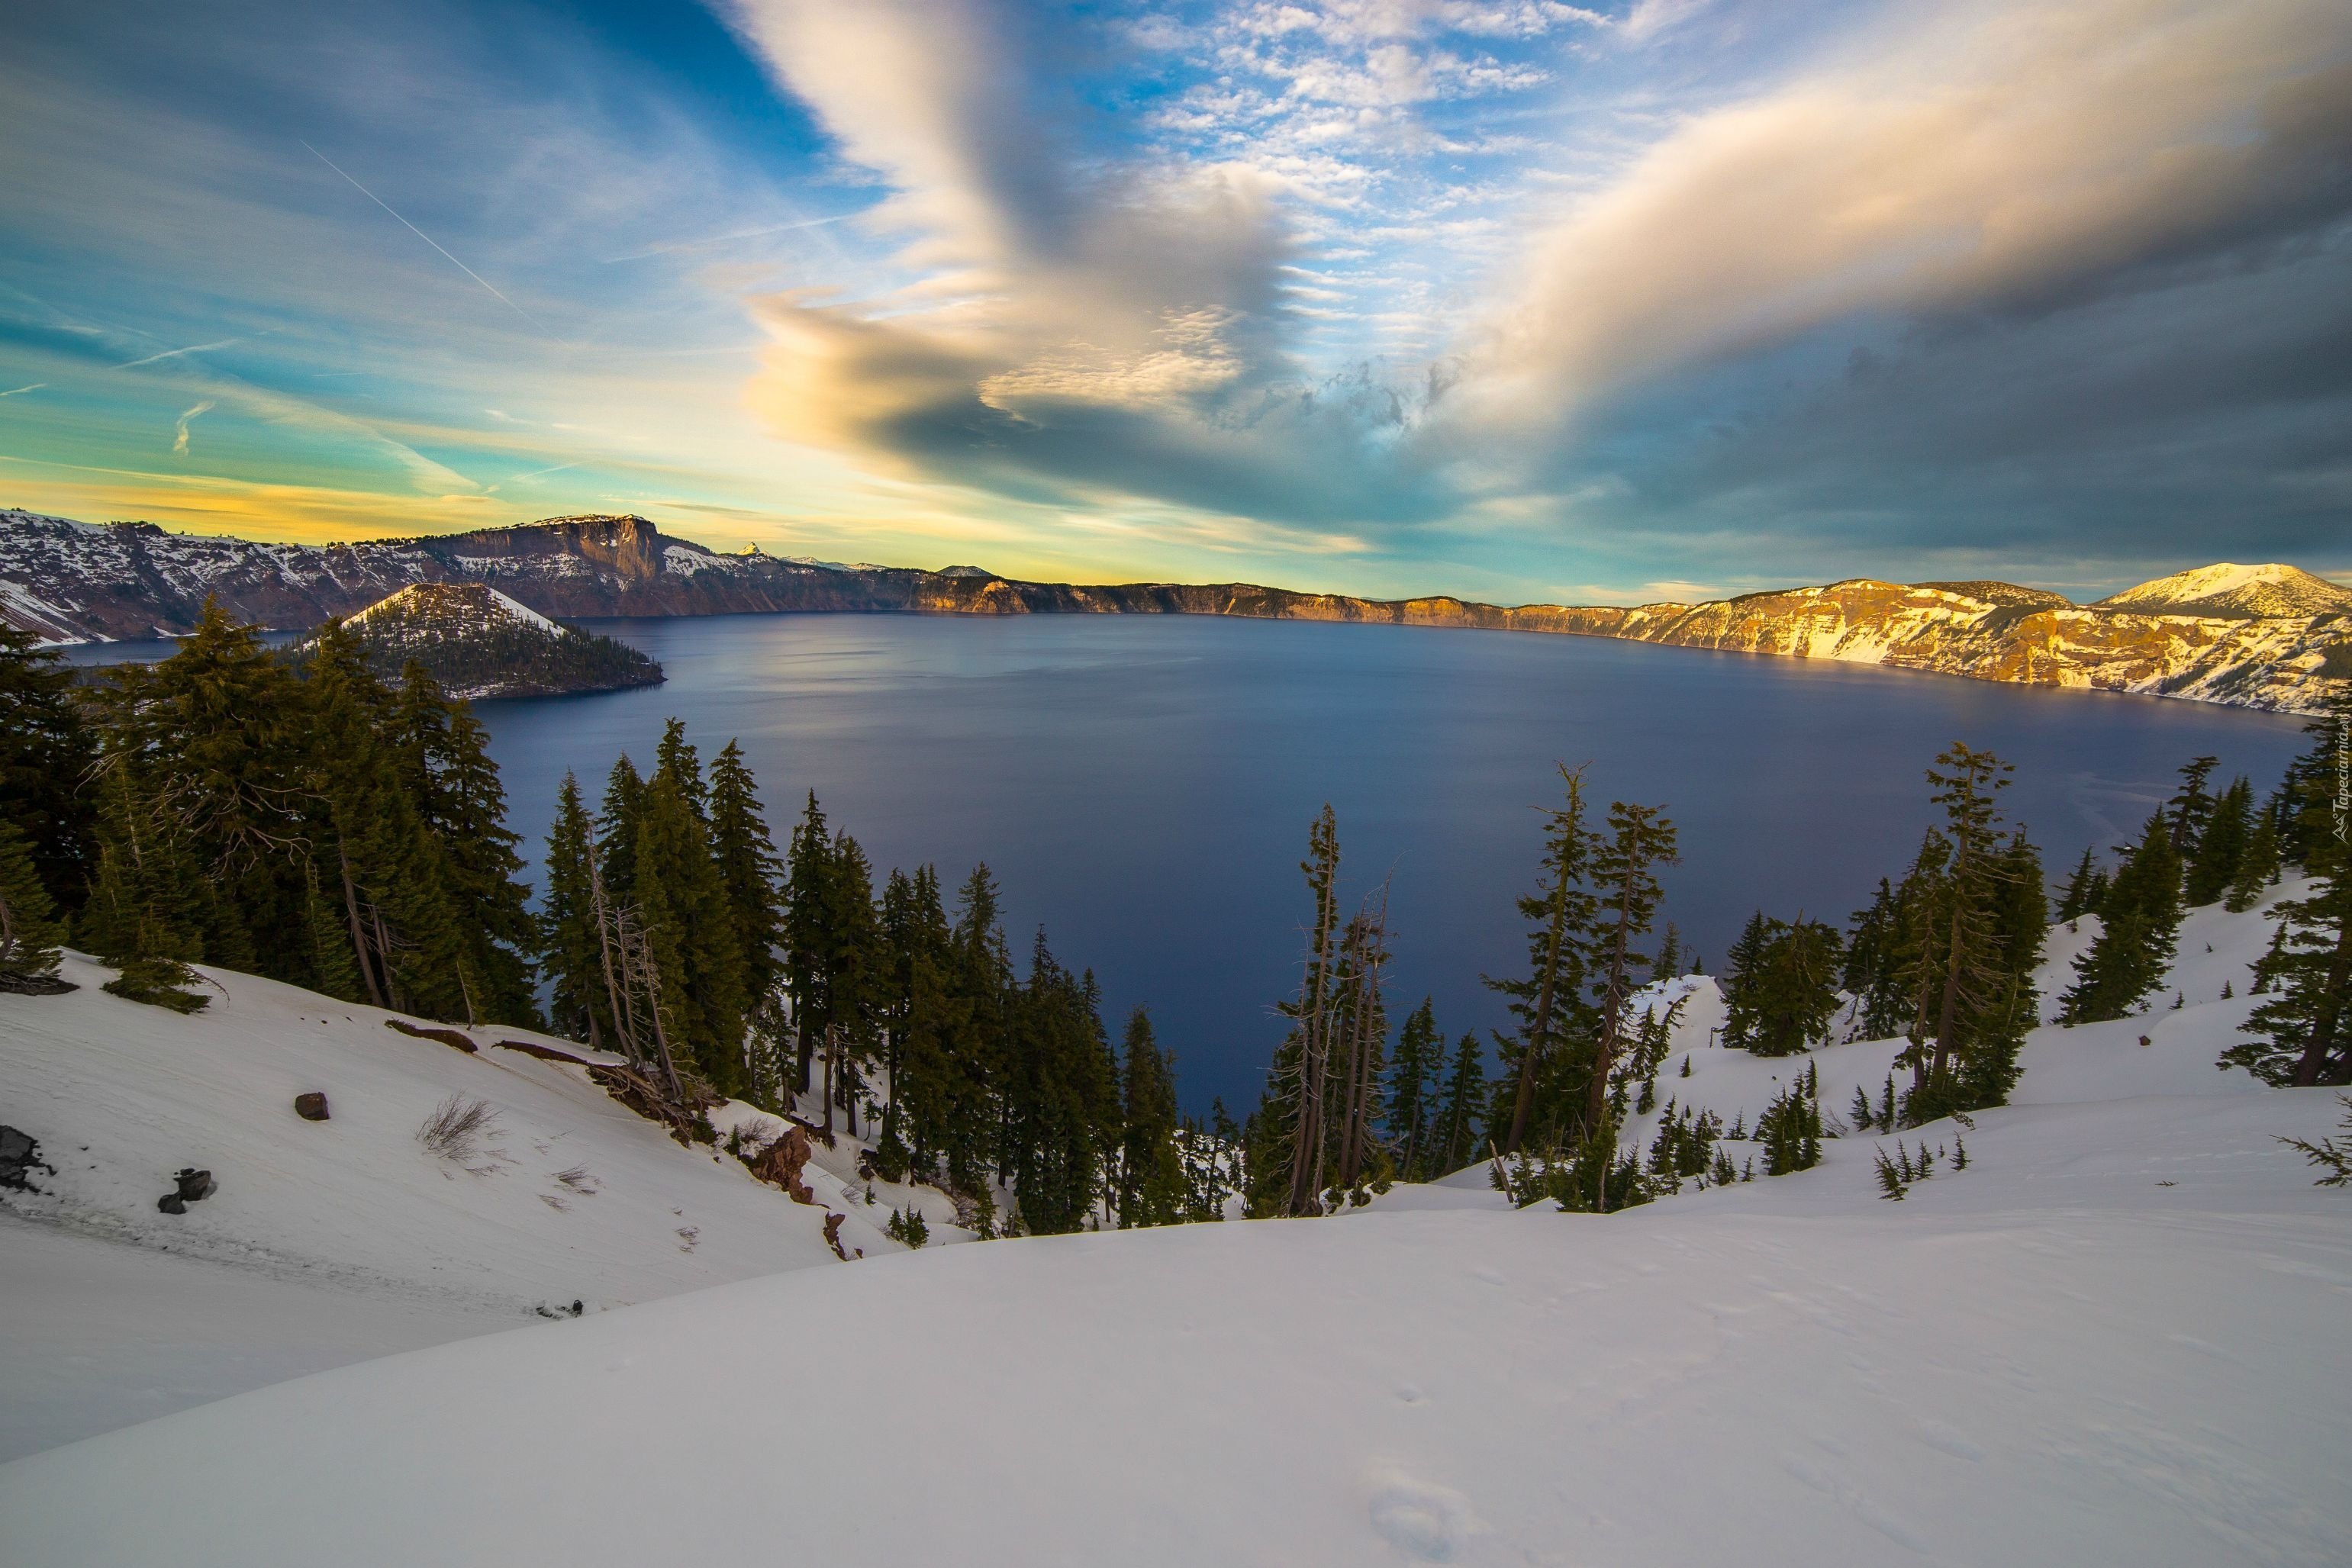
{"x":2074,"y":898}
{"x":29,"y":933}
{"x":46,"y":757}
{"x":1457,"y":1117}
{"x":1415,"y":1083}
{"x":1151,"y":1185}
{"x":2303,"y":1031}
{"x":574,"y":958}
{"x":1624,"y":872}
{"x":2228,"y":832}
{"x":2140,"y":917}
{"x":751,"y":869}
{"x":1549,"y":1001}
{"x":684,"y":910}
{"x":1792,"y":992}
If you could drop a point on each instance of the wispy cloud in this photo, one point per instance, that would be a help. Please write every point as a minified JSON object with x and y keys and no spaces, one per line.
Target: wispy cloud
{"x":176,"y":354}
{"x":180,"y":430}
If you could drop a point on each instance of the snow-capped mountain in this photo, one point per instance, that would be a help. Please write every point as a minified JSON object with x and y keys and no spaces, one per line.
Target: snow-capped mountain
{"x":480,"y":642}
{"x":2266,"y":637}
{"x":2227,"y":589}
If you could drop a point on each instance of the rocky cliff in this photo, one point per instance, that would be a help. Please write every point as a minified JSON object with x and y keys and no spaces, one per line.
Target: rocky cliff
{"x":2213,"y":635}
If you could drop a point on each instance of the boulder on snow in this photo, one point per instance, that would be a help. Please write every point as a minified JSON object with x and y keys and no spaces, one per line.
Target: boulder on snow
{"x":194,"y":1184}
{"x":170,"y":1204}
{"x":782,"y":1162}
{"x":20,"y":1156}
{"x":310,"y":1107}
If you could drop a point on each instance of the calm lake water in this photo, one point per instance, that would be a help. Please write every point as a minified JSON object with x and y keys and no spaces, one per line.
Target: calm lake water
{"x":1143,"y":786}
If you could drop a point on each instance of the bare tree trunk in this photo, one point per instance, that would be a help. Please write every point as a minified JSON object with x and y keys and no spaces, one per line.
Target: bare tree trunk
{"x":1612,"y":1003}
{"x":359,"y":931}
{"x":832,"y":1051}
{"x":1307,"y":1151}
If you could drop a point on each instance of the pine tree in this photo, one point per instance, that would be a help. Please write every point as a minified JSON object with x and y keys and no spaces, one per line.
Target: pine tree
{"x":46,"y":758}
{"x":2257,"y":868}
{"x":2303,"y":1031}
{"x":1791,"y":992}
{"x":1292,"y":1125}
{"x":684,"y":910}
{"x":574,"y":957}
{"x":1151,"y":1185}
{"x":1413,"y":1092}
{"x":2190,"y":808}
{"x":1457,"y":1118}
{"x":2221,"y":846}
{"x":29,"y":934}
{"x":2141,"y":916}
{"x":2074,"y":898}
{"x":459,"y":798}
{"x":1640,"y":840}
{"x":751,"y":869}
{"x":1548,"y":1002}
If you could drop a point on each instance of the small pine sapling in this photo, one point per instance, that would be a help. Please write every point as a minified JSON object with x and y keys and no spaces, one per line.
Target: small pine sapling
{"x":2333,"y":1156}
{"x":1890,"y":1178}
{"x":1685,"y":1073}
{"x":1959,"y":1153}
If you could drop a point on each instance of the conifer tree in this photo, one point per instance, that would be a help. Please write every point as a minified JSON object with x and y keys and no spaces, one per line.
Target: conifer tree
{"x":2257,"y":868}
{"x":2191,"y":808}
{"x":2303,"y":1031}
{"x":689,"y":931}
{"x":1457,"y":1117}
{"x":2074,"y":898}
{"x":1640,"y":840}
{"x":46,"y":758}
{"x":445,"y":753}
{"x":2141,"y":913}
{"x":2221,"y":846}
{"x":29,"y":934}
{"x":1791,"y":993}
{"x":750,"y":869}
{"x":574,"y":957}
{"x":1151,"y":1184}
{"x":617,"y":829}
{"x":1291,"y":1128}
{"x":1549,"y":1001}
{"x":1414,"y":1086}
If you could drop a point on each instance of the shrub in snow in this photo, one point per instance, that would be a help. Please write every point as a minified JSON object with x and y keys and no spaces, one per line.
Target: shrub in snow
{"x":457,"y":1131}
{"x":158,"y":982}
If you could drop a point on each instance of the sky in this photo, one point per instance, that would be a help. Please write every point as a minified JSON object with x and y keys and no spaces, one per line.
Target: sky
{"x":1509,"y":298}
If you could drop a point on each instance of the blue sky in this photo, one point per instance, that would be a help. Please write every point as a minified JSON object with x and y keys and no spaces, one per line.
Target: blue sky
{"x":1504,"y":298}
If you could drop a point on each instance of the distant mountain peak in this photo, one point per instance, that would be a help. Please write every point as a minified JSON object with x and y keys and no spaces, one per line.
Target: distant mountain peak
{"x":445,"y":607}
{"x":2228,"y":588}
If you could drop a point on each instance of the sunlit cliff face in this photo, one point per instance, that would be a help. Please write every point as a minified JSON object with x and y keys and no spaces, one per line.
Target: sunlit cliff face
{"x":1516,"y":299}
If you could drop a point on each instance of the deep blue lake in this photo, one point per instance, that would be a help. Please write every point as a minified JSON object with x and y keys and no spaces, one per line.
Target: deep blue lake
{"x":1141,"y":786}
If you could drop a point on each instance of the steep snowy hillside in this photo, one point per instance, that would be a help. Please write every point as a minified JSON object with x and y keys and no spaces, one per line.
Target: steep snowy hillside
{"x":2115,"y":1337}
{"x":335,"y":1239}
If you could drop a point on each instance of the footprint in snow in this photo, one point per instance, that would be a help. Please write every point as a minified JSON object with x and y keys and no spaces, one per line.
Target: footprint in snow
{"x":1427,"y":1523}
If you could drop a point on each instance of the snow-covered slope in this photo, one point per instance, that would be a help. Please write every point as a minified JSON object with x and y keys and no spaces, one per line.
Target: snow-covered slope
{"x":569,"y":1196}
{"x":2116,"y":1337}
{"x":2228,"y":588}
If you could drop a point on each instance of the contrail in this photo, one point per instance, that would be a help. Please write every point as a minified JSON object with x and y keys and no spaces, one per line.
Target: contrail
{"x":12,"y":391}
{"x":674,"y":247}
{"x":427,"y":238}
{"x":176,"y":354}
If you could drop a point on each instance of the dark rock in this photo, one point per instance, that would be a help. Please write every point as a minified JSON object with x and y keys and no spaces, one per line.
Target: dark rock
{"x":20,"y":1156}
{"x":194,"y":1184}
{"x":310,"y":1107}
{"x":170,"y":1204}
